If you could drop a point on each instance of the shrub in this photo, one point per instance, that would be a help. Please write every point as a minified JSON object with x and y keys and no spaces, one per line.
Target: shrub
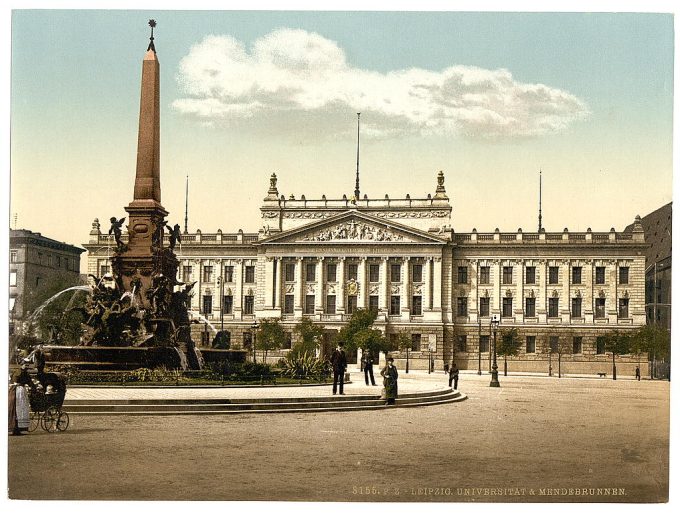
{"x":305,"y":365}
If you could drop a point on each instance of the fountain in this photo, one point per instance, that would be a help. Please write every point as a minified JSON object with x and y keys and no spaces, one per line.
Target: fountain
{"x":137,"y":316}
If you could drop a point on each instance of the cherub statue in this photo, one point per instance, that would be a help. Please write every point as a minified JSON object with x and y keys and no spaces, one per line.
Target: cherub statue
{"x":115,"y":229}
{"x":175,"y":236}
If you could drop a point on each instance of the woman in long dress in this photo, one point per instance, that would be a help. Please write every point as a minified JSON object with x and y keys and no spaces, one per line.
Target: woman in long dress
{"x":18,"y":404}
{"x":390,"y":376}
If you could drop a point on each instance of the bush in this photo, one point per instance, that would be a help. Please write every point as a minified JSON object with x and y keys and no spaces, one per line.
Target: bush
{"x":305,"y":365}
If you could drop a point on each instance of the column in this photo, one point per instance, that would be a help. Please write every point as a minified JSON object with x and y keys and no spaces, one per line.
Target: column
{"x":588,"y":300}
{"x":277,"y":283}
{"x":437,"y":285}
{"x":238,"y":294}
{"x":406,"y":286}
{"x":362,"y":300}
{"x":497,"y":305}
{"x":565,"y":270}
{"x":268,"y":283}
{"x":542,"y":298}
{"x":320,"y":300}
{"x":427,"y":285}
{"x":612,"y":299}
{"x":384,"y":284}
{"x":299,"y":289}
{"x":473,"y":307}
{"x":518,"y":305}
{"x":340,"y":298}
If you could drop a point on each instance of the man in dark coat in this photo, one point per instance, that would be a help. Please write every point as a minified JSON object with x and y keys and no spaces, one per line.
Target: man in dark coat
{"x":367,"y":363}
{"x":453,"y":376}
{"x":339,"y":362}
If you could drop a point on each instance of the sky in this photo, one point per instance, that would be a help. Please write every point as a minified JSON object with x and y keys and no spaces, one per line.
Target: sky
{"x":490,"y":98}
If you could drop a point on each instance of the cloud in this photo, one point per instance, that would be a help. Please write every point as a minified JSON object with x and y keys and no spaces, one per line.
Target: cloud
{"x":304,"y":75}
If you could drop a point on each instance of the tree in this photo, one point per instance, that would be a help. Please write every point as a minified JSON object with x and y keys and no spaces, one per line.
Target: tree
{"x":653,"y":340}
{"x":616,"y":343}
{"x":270,"y":335}
{"x":405,"y":343}
{"x":562,"y":347}
{"x":509,"y":345}
{"x":361,"y":319}
{"x":370,"y":339}
{"x":309,"y":337}
{"x":550,"y":345}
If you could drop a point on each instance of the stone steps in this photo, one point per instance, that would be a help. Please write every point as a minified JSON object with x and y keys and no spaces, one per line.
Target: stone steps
{"x":254,"y":405}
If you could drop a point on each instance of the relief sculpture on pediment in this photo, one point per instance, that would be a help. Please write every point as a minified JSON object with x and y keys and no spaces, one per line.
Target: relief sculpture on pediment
{"x":354,"y":231}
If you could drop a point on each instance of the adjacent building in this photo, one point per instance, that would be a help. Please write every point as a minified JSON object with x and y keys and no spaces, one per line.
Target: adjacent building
{"x":325,"y":258}
{"x":37,"y":264}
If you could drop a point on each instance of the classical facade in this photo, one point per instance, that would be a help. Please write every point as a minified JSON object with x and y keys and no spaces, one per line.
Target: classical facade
{"x":325,"y":258}
{"x":37,"y":264}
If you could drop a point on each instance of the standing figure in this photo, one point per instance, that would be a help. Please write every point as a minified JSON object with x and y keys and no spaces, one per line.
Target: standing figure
{"x":37,"y":358}
{"x":390,"y":376}
{"x":115,"y":229}
{"x":453,"y":376}
{"x":367,"y":363}
{"x":339,"y":362}
{"x":175,"y":236}
{"x":637,"y":372}
{"x":18,"y":404}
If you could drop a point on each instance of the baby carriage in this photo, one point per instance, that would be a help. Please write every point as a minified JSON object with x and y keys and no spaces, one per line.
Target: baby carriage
{"x":46,"y":400}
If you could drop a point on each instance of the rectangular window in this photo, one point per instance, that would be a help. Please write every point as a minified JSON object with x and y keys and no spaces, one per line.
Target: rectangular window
{"x":623,"y":275}
{"x":207,"y":273}
{"x":484,"y":343}
{"x":623,"y":307}
{"x":530,"y":307}
{"x":461,"y":343}
{"x":553,"y":307}
{"x":577,"y":347}
{"x":576,"y":275}
{"x":58,"y":260}
{"x":554,"y":344}
{"x":599,"y":345}
{"x":395,"y":305}
{"x":228,"y":274}
{"x":228,"y":304}
{"x":351,"y":304}
{"x":507,"y":307}
{"x":484,"y":306}
{"x":531,"y":344}
{"x":49,"y":260}
{"x":249,"y":305}
{"x":104,"y":269}
{"x":309,"y":304}
{"x":599,"y":307}
{"x":417,"y":270}
{"x":530,"y":275}
{"x":186,"y":273}
{"x":207,"y":305}
{"x":250,"y":274}
{"x":13,"y":278}
{"x":462,"y":274}
{"x":507,"y":275}
{"x":310,"y":272}
{"x":289,"y":272}
{"x":395,"y":272}
{"x":599,"y":275}
{"x":13,"y":256}
{"x":288,"y":341}
{"x":247,"y":340}
{"x":330,"y":304}
{"x":576,"y":307}
{"x":374,"y":273}
{"x":352,"y":271}
{"x":462,"y":307}
{"x":416,"y":305}
{"x":484,"y":275}
{"x":553,"y":275}
{"x":415,"y":342}
{"x":373,"y":303}
{"x":331,"y":272}
{"x":288,"y":304}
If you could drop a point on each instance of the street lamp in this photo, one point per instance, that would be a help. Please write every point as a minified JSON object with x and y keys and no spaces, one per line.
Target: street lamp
{"x":254,"y":326}
{"x":479,"y":346}
{"x":495,"y":322}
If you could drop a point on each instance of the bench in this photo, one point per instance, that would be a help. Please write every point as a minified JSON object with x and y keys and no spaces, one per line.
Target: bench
{"x":602,"y":374}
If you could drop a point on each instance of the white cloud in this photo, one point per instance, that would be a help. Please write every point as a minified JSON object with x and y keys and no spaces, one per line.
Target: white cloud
{"x":293,"y":72}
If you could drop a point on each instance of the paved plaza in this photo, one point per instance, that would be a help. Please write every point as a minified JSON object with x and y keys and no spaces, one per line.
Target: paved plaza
{"x":533,"y":439}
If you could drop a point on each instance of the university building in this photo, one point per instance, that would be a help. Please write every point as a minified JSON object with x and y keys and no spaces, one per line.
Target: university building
{"x":325,"y":258}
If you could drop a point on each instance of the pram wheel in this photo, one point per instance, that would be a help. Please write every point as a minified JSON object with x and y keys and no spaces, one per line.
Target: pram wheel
{"x":49,"y":419}
{"x":34,"y":421}
{"x":62,"y":421}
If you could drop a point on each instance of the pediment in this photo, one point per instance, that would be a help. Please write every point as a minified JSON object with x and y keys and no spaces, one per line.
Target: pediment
{"x":354,"y":228}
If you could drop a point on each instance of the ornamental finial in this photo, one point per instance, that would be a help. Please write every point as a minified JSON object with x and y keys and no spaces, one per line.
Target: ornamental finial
{"x":152,"y":24}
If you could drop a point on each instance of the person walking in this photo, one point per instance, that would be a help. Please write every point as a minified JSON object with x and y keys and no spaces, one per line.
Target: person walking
{"x":390,"y":376}
{"x":637,"y":372}
{"x":367,"y":364}
{"x":453,"y":376}
{"x":339,"y":362}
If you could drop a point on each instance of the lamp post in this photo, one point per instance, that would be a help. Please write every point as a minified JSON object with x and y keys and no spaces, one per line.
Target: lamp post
{"x":495,"y":321}
{"x":254,"y":326}
{"x":479,"y":346}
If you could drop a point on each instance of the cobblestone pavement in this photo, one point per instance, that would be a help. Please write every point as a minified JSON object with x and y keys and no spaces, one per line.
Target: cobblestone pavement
{"x":533,"y":439}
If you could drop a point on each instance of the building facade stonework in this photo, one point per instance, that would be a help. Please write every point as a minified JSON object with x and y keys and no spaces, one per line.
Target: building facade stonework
{"x":325,"y":258}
